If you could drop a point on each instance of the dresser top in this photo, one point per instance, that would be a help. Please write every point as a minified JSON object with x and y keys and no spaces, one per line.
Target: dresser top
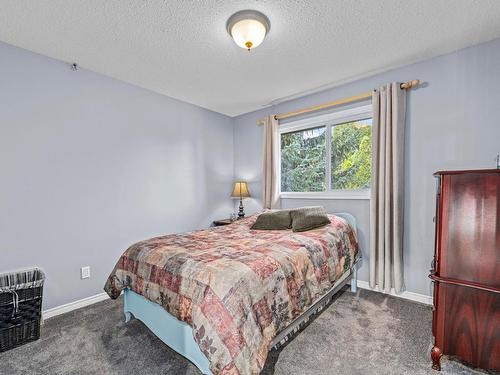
{"x":438,"y":173}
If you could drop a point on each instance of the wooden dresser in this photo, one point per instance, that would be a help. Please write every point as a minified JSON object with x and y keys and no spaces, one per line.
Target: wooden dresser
{"x":466,"y":268}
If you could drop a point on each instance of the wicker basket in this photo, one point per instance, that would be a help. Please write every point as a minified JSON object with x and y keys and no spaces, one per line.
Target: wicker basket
{"x":20,"y":307}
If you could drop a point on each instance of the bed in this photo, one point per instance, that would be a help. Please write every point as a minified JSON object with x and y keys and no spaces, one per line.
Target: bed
{"x":223,"y":297}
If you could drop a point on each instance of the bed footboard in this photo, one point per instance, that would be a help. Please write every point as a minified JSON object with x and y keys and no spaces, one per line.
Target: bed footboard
{"x":173,"y":332}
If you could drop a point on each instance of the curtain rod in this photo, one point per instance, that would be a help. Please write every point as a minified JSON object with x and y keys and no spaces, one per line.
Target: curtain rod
{"x":406,"y":85}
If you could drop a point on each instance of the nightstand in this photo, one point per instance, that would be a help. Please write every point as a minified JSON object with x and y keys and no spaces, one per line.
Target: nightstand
{"x":218,"y":223}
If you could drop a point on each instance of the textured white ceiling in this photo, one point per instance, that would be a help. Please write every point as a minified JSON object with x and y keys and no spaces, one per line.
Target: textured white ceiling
{"x":181,"y":48}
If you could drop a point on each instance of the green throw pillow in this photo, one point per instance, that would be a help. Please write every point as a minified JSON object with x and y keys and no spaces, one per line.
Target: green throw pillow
{"x":273,"y":220}
{"x":306,"y":218}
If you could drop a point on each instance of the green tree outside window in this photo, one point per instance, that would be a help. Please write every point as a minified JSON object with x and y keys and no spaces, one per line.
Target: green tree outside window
{"x":303,"y":158}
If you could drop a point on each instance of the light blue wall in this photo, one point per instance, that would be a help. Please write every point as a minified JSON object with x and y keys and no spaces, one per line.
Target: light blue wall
{"x":90,"y":165}
{"x":453,"y":123}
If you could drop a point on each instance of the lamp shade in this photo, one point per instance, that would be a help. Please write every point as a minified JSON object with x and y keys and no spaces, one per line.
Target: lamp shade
{"x":240,"y":190}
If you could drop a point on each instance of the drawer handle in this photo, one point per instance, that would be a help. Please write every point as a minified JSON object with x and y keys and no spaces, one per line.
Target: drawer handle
{"x":468,"y":284}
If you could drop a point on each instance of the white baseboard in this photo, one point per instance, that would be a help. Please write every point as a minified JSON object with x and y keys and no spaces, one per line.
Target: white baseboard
{"x":422,"y":298}
{"x":58,"y":310}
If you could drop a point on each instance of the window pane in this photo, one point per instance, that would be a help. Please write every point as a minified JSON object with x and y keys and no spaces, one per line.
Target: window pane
{"x":352,"y":155}
{"x":303,"y":160}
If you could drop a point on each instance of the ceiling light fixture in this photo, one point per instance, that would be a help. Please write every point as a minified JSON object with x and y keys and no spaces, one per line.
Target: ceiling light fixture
{"x":248,"y":28}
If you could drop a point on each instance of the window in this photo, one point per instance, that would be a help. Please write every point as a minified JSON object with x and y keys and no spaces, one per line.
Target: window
{"x":327,"y":155}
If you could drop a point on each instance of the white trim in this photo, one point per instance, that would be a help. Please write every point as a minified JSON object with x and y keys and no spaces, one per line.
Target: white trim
{"x":333,"y":118}
{"x":328,"y":166}
{"x":58,"y":310}
{"x":416,"y":297}
{"x":332,"y":194}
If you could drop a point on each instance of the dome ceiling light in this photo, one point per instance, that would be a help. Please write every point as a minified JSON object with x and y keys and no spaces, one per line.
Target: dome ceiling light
{"x":248,"y":28}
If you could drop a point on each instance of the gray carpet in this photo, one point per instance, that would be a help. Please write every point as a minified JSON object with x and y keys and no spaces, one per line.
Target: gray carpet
{"x":367,"y":333}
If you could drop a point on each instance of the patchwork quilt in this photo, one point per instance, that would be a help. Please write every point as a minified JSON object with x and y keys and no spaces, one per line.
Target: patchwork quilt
{"x":236,"y":287}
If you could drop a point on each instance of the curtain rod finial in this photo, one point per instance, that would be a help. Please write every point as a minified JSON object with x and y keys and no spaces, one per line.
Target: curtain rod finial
{"x":410,"y":84}
{"x":414,"y":83}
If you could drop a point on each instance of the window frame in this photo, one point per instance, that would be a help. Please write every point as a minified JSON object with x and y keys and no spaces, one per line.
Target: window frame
{"x":331,"y":119}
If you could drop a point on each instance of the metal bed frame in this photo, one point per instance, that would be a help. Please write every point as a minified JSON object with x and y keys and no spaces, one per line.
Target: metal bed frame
{"x":178,"y":335}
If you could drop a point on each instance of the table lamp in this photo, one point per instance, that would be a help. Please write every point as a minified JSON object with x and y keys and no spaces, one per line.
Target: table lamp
{"x":240,"y":191}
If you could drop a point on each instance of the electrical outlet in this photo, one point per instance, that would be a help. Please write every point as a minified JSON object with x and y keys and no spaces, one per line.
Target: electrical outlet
{"x":85,"y":272}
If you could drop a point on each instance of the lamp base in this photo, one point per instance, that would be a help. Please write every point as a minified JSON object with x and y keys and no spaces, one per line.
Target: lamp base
{"x":241,"y":212}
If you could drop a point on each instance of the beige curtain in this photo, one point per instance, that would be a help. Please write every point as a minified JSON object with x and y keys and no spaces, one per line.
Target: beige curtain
{"x":270,"y":185}
{"x":386,"y":205}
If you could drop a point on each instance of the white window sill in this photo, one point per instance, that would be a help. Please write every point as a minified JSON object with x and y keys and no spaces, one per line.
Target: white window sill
{"x":347,"y":194}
